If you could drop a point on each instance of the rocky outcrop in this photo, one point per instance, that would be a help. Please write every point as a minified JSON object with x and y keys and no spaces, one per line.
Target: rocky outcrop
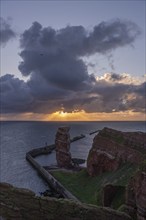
{"x":100,"y":161}
{"x":111,"y":148}
{"x":22,"y":204}
{"x":62,"y":144}
{"x":136,"y":196}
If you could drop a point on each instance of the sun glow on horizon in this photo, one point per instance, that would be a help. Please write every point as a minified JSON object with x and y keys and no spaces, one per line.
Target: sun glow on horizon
{"x":62,"y":113}
{"x":100,"y":116}
{"x":81,"y":115}
{"x":67,"y":116}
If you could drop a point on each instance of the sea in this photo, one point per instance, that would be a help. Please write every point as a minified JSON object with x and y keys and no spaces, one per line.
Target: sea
{"x":19,"y":137}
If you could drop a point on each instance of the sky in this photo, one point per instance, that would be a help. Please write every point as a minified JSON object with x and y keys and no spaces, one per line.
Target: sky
{"x":72,"y":60}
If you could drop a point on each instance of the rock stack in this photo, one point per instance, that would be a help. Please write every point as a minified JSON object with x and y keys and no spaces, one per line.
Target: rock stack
{"x":62,"y":144}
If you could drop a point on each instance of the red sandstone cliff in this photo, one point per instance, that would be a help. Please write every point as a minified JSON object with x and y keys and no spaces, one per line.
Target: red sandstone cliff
{"x":111,"y":148}
{"x":62,"y":144}
{"x":136,"y":196}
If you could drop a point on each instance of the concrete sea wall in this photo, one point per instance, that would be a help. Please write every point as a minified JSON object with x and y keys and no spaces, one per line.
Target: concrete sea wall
{"x":53,"y":183}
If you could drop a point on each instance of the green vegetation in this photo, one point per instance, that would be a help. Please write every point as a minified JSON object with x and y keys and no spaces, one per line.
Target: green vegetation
{"x":88,"y":189}
{"x":117,"y":138}
{"x":139,"y":148}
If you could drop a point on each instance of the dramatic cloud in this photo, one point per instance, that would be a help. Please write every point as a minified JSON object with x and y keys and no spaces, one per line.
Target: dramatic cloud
{"x":37,"y":96}
{"x":6,"y":32}
{"x":115,"y":96}
{"x":56,"y":54}
{"x":58,"y":75}
{"x":114,"y":77}
{"x":15,"y":95}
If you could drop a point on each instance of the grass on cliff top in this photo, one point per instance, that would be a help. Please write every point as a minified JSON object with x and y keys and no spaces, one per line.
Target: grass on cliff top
{"x":120,"y":140}
{"x":88,"y":189}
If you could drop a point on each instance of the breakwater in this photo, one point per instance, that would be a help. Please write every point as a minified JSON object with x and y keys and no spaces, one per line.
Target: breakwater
{"x":46,"y":175}
{"x":93,"y":132}
{"x":48,"y":149}
{"x":77,"y":138}
{"x":53,"y":183}
{"x":42,"y":150}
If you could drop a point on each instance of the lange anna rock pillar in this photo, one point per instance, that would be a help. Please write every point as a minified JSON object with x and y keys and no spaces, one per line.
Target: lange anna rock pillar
{"x":62,"y":143}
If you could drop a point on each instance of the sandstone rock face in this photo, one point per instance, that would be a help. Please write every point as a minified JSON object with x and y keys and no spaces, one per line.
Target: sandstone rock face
{"x":99,"y":162}
{"x":111,"y":148}
{"x":20,"y":204}
{"x":62,"y":144}
{"x":136,"y":195}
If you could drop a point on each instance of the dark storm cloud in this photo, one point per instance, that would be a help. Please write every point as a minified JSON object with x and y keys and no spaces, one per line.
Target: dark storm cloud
{"x":108,"y":36}
{"x":107,"y":96}
{"x":32,"y":96}
{"x":56,"y":54}
{"x":118,"y":96}
{"x":15,"y":95}
{"x":43,"y":91}
{"x":6,"y":32}
{"x":139,"y":103}
{"x":57,"y":74}
{"x":141,"y":89}
{"x":58,"y":69}
{"x":37,"y":96}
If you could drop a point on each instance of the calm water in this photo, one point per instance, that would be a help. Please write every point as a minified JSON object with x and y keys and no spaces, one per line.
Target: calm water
{"x":17,"y":138}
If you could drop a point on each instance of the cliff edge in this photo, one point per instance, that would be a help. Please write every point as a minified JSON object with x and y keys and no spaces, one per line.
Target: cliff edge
{"x":23,"y":204}
{"x":112,"y":148}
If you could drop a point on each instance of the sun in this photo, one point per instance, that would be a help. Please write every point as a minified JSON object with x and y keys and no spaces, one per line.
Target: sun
{"x":62,"y":113}
{"x":67,"y":116}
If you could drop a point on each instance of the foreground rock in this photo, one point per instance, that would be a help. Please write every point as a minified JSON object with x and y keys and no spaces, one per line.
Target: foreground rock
{"x":62,"y":144}
{"x":136,"y":196}
{"x":111,"y":148}
{"x":22,"y":204}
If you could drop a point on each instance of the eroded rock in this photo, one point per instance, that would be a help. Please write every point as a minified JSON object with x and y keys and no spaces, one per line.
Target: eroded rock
{"x":62,"y":144}
{"x":99,"y":162}
{"x":17,"y":206}
{"x":136,"y":195}
{"x":111,"y":148}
